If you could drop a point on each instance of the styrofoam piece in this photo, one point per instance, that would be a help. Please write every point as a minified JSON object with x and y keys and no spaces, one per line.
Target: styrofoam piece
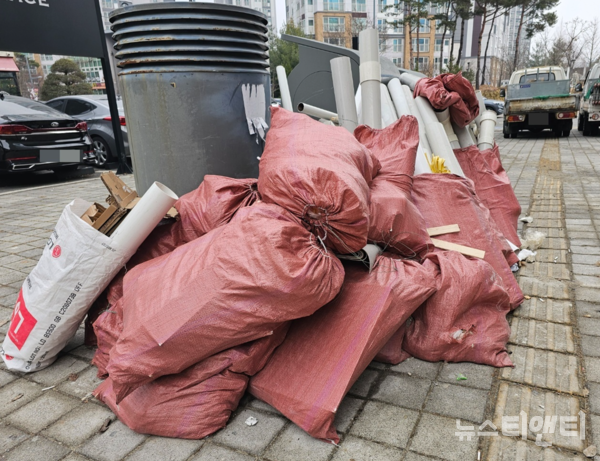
{"x":409,"y":79}
{"x":487,"y":125}
{"x":388,"y":111}
{"x":444,"y":118}
{"x":343,"y":89}
{"x":148,"y":212}
{"x":465,"y":135}
{"x":415,"y":111}
{"x":316,"y":111}
{"x":284,"y":89}
{"x":398,"y":97}
{"x":370,"y":77}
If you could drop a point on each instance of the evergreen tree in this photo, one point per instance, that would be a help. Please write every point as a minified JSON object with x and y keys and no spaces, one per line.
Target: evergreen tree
{"x":283,"y":53}
{"x":66,"y":79}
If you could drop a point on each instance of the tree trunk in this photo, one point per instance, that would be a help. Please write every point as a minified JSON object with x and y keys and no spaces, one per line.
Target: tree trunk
{"x":516,"y":59}
{"x":444,"y":38}
{"x":462,"y":39}
{"x":479,"y":39}
{"x":487,"y":46}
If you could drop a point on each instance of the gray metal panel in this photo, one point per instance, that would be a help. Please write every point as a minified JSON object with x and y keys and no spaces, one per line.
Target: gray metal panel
{"x":518,"y":91}
{"x":310,"y":81}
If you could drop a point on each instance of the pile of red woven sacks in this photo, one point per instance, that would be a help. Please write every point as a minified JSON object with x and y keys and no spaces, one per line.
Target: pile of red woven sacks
{"x":246,"y":290}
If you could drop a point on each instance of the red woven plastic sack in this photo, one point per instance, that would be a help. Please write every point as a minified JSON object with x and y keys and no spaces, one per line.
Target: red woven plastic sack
{"x":107,"y":328}
{"x":396,"y":224}
{"x":211,"y":205}
{"x":451,"y":91}
{"x":197,"y":401}
{"x":465,"y":321}
{"x":392,"y":351}
{"x":495,"y":191}
{"x":446,"y":199}
{"x":322,"y":175}
{"x":233,"y":285}
{"x":324,"y":354}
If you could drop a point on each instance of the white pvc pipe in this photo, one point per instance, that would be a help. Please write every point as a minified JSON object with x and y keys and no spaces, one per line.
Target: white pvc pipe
{"x":343,"y":90}
{"x":481,"y":109}
{"x":436,"y":135}
{"x":144,"y":217}
{"x":409,"y":79}
{"x":415,"y":111}
{"x":316,"y":111}
{"x":398,"y":97}
{"x":284,"y":89}
{"x":358,"y":102}
{"x":444,"y":118}
{"x":464,"y":135}
{"x":487,"y":125}
{"x":388,"y":112}
{"x":370,"y":77}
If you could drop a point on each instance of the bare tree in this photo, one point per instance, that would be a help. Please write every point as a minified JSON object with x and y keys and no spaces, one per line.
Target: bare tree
{"x":592,"y":42}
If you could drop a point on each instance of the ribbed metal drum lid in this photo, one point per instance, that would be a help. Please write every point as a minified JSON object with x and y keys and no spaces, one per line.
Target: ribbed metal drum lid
{"x":172,"y":36}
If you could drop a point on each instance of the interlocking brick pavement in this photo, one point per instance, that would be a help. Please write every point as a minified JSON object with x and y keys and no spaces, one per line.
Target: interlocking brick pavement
{"x":405,"y":412}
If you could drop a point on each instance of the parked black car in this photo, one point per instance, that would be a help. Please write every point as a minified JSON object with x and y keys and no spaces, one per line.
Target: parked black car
{"x":496,"y":106}
{"x":34,"y":137}
{"x":94,"y":110}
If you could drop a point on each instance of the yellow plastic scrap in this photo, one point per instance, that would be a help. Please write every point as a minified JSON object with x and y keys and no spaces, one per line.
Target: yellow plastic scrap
{"x":436,"y":164}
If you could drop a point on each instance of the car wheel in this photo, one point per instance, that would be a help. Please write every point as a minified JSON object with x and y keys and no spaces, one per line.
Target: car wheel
{"x":102,"y":151}
{"x":587,"y":127}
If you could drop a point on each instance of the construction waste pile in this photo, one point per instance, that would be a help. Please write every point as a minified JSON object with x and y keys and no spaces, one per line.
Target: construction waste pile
{"x":379,"y":240}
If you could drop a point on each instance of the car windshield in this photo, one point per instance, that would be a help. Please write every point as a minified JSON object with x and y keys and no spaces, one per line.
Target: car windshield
{"x":14,"y":105}
{"x":541,"y":77}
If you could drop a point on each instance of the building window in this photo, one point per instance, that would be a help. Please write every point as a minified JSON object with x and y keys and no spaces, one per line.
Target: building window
{"x":311,"y":23}
{"x":334,"y":24}
{"x":423,"y":45}
{"x":381,"y":5}
{"x":424,"y":26}
{"x":397,"y":61}
{"x":447,"y":43}
{"x":423,"y":63}
{"x":397,"y":45}
{"x":359,"y":5}
{"x":333,"y":5}
{"x":398,"y":28}
{"x":334,"y":41}
{"x":438,"y":44}
{"x":437,"y":62}
{"x":310,"y":2}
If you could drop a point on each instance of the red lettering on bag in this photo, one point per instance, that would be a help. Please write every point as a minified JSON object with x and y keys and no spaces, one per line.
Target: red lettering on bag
{"x":21,"y":323}
{"x":56,"y":251}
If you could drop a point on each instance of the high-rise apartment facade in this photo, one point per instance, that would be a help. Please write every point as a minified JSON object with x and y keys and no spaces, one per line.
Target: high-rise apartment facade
{"x":267,"y":7}
{"x":337,"y":21}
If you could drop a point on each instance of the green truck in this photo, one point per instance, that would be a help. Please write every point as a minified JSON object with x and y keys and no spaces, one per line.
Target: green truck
{"x":537,"y":99}
{"x":589,"y":103}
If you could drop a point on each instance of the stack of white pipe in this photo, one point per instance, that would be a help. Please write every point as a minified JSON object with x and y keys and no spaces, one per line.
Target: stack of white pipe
{"x":370,"y":77}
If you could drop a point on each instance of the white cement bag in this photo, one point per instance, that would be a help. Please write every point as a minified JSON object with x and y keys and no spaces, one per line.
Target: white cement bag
{"x":78,"y":262}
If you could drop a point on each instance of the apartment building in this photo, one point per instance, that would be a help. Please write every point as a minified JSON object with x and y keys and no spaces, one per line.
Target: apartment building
{"x":337,"y":21}
{"x":267,"y":7}
{"x":502,"y":37}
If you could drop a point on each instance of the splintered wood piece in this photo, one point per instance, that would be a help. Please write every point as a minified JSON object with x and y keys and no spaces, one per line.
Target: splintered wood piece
{"x":465,"y":250}
{"x":449,"y":229}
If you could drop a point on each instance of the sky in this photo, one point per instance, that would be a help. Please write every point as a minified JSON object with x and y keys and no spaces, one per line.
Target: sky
{"x":567,"y":10}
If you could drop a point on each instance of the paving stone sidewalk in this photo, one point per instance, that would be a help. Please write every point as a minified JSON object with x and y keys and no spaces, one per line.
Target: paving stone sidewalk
{"x":406,"y":412}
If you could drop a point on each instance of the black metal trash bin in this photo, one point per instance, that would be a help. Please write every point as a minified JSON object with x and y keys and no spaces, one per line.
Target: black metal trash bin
{"x":184,"y":70}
